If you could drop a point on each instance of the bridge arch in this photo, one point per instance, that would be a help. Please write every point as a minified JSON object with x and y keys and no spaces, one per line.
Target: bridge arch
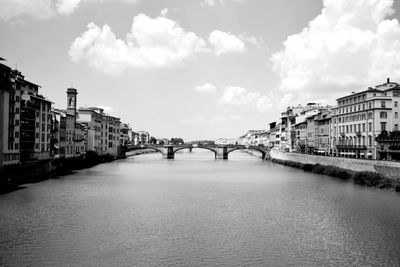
{"x":201,"y":147}
{"x":137,"y":151}
{"x":262,"y":151}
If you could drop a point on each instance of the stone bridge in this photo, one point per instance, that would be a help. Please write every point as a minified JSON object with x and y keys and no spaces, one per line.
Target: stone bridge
{"x":221,"y":152}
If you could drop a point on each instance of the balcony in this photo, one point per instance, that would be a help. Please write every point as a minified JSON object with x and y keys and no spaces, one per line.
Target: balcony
{"x":356,"y":147}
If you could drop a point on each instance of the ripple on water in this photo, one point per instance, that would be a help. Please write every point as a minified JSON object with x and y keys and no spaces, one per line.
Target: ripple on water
{"x":198,"y":211}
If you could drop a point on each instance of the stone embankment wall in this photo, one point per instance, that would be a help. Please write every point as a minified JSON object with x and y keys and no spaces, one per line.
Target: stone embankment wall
{"x":386,"y":168}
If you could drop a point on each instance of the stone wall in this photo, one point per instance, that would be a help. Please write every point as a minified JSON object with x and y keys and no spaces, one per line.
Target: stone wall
{"x":388,"y":169}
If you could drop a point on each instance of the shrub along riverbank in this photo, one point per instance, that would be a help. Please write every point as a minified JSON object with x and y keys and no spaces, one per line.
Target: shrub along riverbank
{"x":361,"y":178}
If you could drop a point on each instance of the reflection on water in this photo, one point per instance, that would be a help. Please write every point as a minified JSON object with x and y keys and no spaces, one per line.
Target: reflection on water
{"x":198,"y":211}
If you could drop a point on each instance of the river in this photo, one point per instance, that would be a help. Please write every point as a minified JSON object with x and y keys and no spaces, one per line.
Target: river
{"x":197,"y":211}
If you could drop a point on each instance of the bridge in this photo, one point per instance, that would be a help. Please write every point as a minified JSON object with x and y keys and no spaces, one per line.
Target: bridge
{"x":221,"y":151}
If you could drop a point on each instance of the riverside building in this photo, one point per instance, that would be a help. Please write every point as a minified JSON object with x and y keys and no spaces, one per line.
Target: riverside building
{"x":102,"y":130}
{"x":359,"y":118}
{"x":25,"y":119}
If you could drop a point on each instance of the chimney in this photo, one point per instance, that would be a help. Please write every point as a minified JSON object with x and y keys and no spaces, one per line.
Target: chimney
{"x":388,"y":80}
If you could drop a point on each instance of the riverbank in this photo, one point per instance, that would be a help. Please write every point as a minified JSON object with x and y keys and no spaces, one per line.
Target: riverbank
{"x":13,"y":176}
{"x":363,"y":172}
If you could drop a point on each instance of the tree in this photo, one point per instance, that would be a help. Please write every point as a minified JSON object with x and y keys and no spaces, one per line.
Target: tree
{"x":153,"y":140}
{"x":177,"y":141}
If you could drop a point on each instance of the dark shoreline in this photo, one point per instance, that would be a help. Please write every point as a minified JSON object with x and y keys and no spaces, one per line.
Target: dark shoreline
{"x":366,"y":178}
{"x":13,"y":177}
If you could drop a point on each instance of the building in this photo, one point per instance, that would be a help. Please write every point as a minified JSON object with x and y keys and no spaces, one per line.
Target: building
{"x":101,"y":130}
{"x":25,"y":119}
{"x":388,"y":145}
{"x":323,"y":133}
{"x":125,"y":134}
{"x":9,"y":118}
{"x":359,"y":118}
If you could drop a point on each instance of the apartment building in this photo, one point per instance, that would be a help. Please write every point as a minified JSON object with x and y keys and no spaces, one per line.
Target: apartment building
{"x":323,"y":132}
{"x":9,"y":118}
{"x":102,"y":130}
{"x":25,"y":119}
{"x":359,"y":118}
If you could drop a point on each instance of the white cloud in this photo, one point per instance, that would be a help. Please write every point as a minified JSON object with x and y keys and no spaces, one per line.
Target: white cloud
{"x":264,"y":103}
{"x":350,"y":45}
{"x":218,"y":2}
{"x":224,"y":42}
{"x":152,"y":42}
{"x":199,"y":119}
{"x":235,"y":95}
{"x":43,"y":9}
{"x":206,"y":88}
{"x":258,"y":42}
{"x":39,"y":9}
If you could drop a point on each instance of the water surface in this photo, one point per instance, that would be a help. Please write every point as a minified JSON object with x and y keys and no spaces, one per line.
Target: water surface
{"x":197,"y":211}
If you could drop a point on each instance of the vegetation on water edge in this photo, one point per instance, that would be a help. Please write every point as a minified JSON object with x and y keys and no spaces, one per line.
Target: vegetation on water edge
{"x":361,"y":178}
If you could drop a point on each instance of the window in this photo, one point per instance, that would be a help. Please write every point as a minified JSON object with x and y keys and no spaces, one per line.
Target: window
{"x":395,"y":104}
{"x":16,"y":134}
{"x":17,"y":110}
{"x":383,"y":126}
{"x":369,"y":105}
{"x":363,"y":127}
{"x":369,"y":140}
{"x":396,"y":115}
{"x":17,"y":98}
{"x":383,"y":115}
{"x":383,"y":104}
{"x":16,"y":146}
{"x":396,"y":127}
{"x":370,"y":126}
{"x":16,"y":122}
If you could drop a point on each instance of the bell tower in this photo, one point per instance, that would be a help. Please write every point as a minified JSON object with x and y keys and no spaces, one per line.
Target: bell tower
{"x":71,"y":100}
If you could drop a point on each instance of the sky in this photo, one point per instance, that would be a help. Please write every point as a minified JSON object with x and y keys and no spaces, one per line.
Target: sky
{"x":201,"y":69}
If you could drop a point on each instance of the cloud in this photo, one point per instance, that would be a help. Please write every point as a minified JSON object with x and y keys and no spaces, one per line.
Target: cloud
{"x":152,"y":42}
{"x":264,"y":103}
{"x":235,"y":95}
{"x":218,"y":2}
{"x":224,"y":42}
{"x":43,"y":9}
{"x":206,"y":88}
{"x":201,"y":119}
{"x":350,"y":45}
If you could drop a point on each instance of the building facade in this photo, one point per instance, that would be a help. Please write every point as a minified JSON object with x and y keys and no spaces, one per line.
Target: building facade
{"x":359,"y":118}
